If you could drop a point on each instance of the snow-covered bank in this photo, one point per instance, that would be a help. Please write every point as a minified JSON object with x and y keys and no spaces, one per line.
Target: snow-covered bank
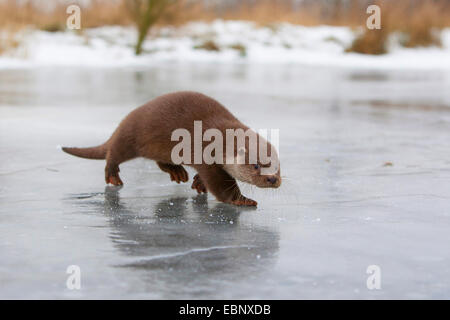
{"x":230,"y":41}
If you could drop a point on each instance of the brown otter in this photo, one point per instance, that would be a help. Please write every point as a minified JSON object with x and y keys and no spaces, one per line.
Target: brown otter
{"x":146,"y":132}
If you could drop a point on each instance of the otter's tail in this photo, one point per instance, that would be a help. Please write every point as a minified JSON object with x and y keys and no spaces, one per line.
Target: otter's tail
{"x":95,"y":153}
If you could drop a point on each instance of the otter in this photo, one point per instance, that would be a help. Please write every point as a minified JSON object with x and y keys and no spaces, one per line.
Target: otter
{"x":146,"y":132}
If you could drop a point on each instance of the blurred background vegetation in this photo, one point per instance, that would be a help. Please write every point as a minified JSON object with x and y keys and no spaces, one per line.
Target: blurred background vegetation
{"x":417,"y":20}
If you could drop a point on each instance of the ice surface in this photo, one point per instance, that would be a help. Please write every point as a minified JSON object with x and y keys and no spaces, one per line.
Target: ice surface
{"x":277,"y":44}
{"x":339,"y":210}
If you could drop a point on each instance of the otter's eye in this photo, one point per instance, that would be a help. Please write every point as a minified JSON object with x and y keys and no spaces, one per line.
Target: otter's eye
{"x":256,"y":166}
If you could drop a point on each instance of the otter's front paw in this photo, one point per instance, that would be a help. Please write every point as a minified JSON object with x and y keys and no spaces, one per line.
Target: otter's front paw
{"x":243,"y":201}
{"x":198,"y":185}
{"x":178,"y":174}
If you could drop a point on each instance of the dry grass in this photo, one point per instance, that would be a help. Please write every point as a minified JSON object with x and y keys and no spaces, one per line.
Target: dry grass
{"x":267,"y":12}
{"x":208,"y":45}
{"x":370,"y":42}
{"x":417,"y":21}
{"x":419,"y":28}
{"x":27,"y":13}
{"x":415,"y":18}
{"x":114,"y":12}
{"x":9,"y":39}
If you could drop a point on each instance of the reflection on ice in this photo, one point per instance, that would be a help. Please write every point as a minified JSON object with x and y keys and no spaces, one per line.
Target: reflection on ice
{"x":184,"y":240}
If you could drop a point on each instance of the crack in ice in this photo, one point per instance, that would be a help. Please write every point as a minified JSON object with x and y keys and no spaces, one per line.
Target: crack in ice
{"x":188,"y":252}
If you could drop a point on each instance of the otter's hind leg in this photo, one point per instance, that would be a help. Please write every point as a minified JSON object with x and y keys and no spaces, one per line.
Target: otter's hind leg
{"x":120,"y":149}
{"x":177,"y":172}
{"x":112,"y":174}
{"x":223,"y":186}
{"x":114,"y":158}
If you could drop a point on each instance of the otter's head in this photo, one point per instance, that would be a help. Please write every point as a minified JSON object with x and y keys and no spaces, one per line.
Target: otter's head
{"x":263,"y":173}
{"x":253,"y":174}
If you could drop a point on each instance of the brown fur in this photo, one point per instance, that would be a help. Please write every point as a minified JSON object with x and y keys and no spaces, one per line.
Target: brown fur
{"x":146,"y":132}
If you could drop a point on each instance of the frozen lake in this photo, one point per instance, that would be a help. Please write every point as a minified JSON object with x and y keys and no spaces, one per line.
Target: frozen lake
{"x":366,"y":160}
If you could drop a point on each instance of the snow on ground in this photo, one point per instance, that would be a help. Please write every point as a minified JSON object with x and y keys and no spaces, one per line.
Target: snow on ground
{"x":238,"y":41}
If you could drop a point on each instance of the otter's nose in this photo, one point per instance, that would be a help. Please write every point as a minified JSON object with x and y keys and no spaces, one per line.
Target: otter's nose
{"x":272,"y":180}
